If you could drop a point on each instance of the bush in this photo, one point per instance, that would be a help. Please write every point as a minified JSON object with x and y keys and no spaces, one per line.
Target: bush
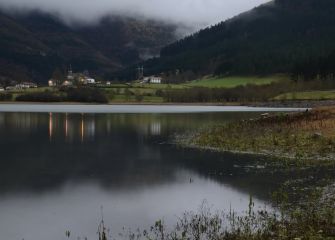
{"x":159,"y":93}
{"x":86,"y":95}
{"x":70,"y":94}
{"x":110,"y":94}
{"x":6,"y":97}
{"x":128,"y":94}
{"x":248,"y":93}
{"x":39,"y":97}
{"x":139,"y":97}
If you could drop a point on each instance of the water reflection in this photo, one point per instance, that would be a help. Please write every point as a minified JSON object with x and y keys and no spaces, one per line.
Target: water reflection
{"x":83,"y":130}
{"x":84,"y":127}
{"x":58,"y":169}
{"x":116,"y":149}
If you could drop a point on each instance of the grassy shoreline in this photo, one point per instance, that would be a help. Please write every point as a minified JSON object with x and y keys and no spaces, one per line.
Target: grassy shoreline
{"x":272,"y":104}
{"x":301,"y":139}
{"x":121,"y":103}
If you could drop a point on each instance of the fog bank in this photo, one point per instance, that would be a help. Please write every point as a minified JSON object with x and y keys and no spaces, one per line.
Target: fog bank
{"x":193,"y":13}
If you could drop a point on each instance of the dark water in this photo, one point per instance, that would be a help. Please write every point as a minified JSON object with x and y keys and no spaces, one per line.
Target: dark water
{"x":57,"y":170}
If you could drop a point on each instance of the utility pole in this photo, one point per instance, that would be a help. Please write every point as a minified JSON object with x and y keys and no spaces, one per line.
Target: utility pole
{"x":70,"y":70}
{"x":70,"y":74}
{"x":140,"y":73}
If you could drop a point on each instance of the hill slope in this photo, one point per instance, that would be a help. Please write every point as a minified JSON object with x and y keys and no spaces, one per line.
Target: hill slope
{"x":272,"y":38}
{"x":34,"y":44}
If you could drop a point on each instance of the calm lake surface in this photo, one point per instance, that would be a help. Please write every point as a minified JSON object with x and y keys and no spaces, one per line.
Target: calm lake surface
{"x":58,"y":169}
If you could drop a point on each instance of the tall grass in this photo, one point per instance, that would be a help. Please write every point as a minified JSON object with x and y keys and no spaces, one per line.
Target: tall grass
{"x":314,"y":219}
{"x":300,"y":139}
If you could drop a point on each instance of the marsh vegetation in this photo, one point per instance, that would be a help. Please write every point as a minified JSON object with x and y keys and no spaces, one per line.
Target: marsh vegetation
{"x":311,"y":219}
{"x":298,"y":139}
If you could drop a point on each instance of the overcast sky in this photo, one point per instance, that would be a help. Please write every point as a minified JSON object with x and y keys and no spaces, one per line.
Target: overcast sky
{"x":190,"y":12}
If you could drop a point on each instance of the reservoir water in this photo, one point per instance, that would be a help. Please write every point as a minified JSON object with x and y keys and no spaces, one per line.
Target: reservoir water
{"x":58,"y":167}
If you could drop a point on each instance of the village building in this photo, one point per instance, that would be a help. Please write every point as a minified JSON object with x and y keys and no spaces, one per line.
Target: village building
{"x":152,"y":79}
{"x":9,"y":88}
{"x":90,"y":80}
{"x":52,"y":83}
{"x":73,"y":79}
{"x":67,"y":83}
{"x":70,"y":76}
{"x":25,"y":85}
{"x":86,"y":80}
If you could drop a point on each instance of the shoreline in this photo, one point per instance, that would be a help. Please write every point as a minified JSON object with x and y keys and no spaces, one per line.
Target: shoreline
{"x":296,"y":103}
{"x":269,"y":104}
{"x":293,"y":139}
{"x":101,"y":108}
{"x":122,"y":103}
{"x":276,"y":157}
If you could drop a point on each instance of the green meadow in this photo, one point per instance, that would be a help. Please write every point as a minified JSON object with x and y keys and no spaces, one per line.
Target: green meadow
{"x":308,"y":95}
{"x":231,"y":82}
{"x":153,"y":93}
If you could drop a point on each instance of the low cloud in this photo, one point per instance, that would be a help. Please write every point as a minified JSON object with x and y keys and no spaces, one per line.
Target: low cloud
{"x":195,"y":13}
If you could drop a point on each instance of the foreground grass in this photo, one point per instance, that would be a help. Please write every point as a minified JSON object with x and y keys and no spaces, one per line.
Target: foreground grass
{"x":308,"y":95}
{"x":299,"y":139}
{"x":307,"y":139}
{"x":314,"y":219}
{"x":230,"y":82}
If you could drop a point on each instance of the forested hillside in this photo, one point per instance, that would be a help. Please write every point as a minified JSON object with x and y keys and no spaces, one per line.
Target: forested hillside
{"x":34,"y":44}
{"x":282,"y":36}
{"x":279,"y":37}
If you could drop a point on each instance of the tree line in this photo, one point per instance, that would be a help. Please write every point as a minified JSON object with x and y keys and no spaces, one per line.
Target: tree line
{"x":87,"y":95}
{"x":273,"y":38}
{"x":242,"y":94}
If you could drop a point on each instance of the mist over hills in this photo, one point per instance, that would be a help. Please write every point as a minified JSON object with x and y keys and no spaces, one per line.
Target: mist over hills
{"x":272,"y":38}
{"x":195,"y":14}
{"x":281,"y":36}
{"x":33,"y":44}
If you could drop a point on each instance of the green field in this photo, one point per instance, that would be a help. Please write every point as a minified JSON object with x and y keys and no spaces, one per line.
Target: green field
{"x":31,"y":90}
{"x":310,"y":95}
{"x":132,"y":99}
{"x":230,"y":82}
{"x":137,"y":92}
{"x":159,"y":86}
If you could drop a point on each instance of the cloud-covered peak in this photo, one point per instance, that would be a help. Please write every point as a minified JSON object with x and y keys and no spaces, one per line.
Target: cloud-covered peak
{"x":196,"y":13}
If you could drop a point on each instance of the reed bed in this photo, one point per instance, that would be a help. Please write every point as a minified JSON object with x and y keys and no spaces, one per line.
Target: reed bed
{"x":300,"y":139}
{"x":314,"y":219}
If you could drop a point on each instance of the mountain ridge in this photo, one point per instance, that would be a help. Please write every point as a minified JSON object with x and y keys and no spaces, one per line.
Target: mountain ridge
{"x":271,"y":38}
{"x":34,"y":44}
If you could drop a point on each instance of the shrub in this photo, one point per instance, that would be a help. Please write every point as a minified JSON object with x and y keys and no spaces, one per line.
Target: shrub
{"x":159,"y":93}
{"x":139,"y":97}
{"x":86,"y":95}
{"x":6,"y":97}
{"x":39,"y":97}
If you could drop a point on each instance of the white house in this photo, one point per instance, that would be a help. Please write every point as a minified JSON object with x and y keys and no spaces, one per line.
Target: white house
{"x":152,"y":79}
{"x":25,"y":85}
{"x":86,"y":80}
{"x":10,"y":88}
{"x":90,"y":80}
